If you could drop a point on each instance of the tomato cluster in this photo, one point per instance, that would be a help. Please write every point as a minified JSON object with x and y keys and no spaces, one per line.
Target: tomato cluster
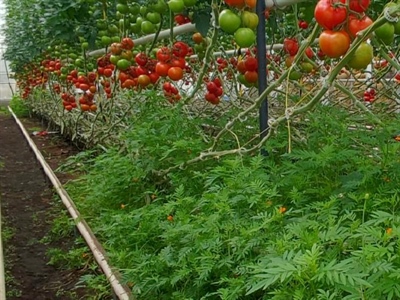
{"x":214,"y":91}
{"x":341,"y":21}
{"x":171,"y":92}
{"x":241,"y":26}
{"x":369,"y":95}
{"x":248,"y":69}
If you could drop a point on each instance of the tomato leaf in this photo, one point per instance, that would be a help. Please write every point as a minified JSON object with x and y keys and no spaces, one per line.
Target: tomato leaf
{"x":202,"y":20}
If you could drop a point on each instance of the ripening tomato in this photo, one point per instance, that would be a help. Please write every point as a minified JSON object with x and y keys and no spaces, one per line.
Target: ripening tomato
{"x":197,"y":38}
{"x":175,"y":73}
{"x":334,"y":43}
{"x":330,"y":14}
{"x":359,"y":6}
{"x":241,"y":67}
{"x":144,"y":80}
{"x":355,"y":25}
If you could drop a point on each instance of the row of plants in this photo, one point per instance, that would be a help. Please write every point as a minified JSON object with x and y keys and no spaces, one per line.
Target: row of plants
{"x":320,"y":222}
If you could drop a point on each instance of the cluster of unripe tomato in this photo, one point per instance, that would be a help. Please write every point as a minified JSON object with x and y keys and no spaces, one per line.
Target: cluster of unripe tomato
{"x":241,"y":25}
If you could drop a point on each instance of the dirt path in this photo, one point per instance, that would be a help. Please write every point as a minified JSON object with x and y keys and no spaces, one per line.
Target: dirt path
{"x":26,"y":197}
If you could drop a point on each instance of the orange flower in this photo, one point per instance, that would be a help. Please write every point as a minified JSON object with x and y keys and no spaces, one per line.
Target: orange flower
{"x":170,"y":218}
{"x":389,"y":230}
{"x":282,"y":209}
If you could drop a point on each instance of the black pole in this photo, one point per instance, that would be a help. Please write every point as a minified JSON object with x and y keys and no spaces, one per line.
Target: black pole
{"x":262,"y":69}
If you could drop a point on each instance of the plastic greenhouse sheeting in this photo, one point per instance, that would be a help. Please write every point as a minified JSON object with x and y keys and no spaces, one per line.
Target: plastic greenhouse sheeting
{"x":7,"y":85}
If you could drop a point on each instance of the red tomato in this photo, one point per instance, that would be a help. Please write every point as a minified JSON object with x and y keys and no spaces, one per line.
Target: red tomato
{"x":355,"y":25}
{"x":163,"y":54}
{"x":127,"y":43}
{"x":162,"y":68}
{"x":330,"y":14}
{"x":236,"y":3}
{"x":141,"y":59}
{"x":178,"y":62}
{"x":334,"y":43}
{"x":251,"y":76}
{"x":359,"y":6}
{"x":251,"y":63}
{"x":154,"y":77}
{"x":309,"y":52}
{"x":180,"y":49}
{"x":291,"y":46}
{"x":108,"y":72}
{"x":210,"y":97}
{"x":211,"y":87}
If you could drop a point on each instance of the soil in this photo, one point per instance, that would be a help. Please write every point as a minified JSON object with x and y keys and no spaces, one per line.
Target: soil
{"x":26,"y":198}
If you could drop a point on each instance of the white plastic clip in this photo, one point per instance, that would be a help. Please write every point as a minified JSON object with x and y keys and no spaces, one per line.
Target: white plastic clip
{"x":388,"y":16}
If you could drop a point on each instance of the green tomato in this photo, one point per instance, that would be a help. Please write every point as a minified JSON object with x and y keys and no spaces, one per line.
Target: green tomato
{"x":161,"y":7}
{"x":123,"y":64}
{"x":112,"y":28}
{"x":385,"y":33}
{"x":244,"y":37}
{"x":249,"y":19}
{"x":79,"y":62}
{"x":148,"y":27}
{"x":139,"y":21}
{"x":122,"y":8}
{"x":153,"y":17}
{"x":362,"y":57}
{"x":135,"y":28}
{"x":143,"y":10}
{"x":115,"y":39}
{"x":101,"y":24}
{"x":85,"y":45}
{"x":114,"y":59}
{"x":229,"y":21}
{"x":134,"y":8}
{"x":397,"y":27}
{"x":295,"y":75}
{"x":176,"y":6}
{"x":306,"y":67}
{"x":105,"y":40}
{"x":189,"y":3}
